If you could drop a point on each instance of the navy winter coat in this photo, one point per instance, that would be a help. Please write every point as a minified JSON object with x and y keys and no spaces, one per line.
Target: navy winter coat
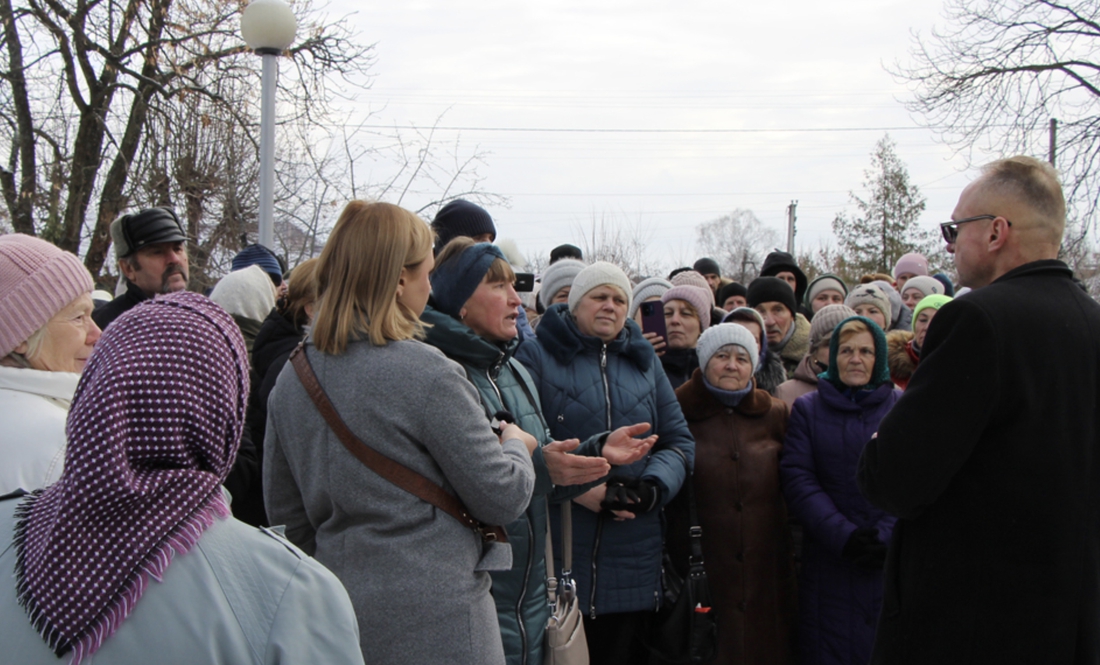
{"x":838,"y":601}
{"x":588,"y":387}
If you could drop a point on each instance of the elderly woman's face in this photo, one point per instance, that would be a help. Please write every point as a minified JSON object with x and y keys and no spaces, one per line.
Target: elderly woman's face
{"x":730,"y":368}
{"x":492,"y":310}
{"x":920,"y":326}
{"x":855,"y":359}
{"x":69,"y":338}
{"x":682,"y":324}
{"x":602,"y":312}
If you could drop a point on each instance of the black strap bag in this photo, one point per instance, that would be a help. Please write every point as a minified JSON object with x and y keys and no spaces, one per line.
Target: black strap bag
{"x":684,"y":629}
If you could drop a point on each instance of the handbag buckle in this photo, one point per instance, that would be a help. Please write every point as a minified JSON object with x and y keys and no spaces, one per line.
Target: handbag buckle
{"x":696,"y":532}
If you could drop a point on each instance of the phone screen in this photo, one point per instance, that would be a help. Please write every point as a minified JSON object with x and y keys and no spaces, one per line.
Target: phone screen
{"x":653,"y":318}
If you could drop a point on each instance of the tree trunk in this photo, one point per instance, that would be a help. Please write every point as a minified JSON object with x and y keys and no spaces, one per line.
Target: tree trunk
{"x":20,"y":201}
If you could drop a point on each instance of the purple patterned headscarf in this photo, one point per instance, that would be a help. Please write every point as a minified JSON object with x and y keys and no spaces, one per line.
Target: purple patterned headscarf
{"x":152,"y":433}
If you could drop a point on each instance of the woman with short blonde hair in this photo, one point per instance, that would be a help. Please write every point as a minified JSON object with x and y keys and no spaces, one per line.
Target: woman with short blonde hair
{"x":405,"y":400}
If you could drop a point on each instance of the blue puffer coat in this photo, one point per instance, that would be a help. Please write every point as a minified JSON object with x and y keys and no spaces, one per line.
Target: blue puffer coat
{"x":587,"y":387}
{"x":503,"y":384}
{"x":838,"y":601}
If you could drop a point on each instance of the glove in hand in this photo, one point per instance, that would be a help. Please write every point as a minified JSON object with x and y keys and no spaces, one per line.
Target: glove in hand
{"x":865,"y":549}
{"x":631,"y":494}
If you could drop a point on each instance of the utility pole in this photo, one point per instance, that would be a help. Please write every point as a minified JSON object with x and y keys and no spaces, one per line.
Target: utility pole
{"x":791,"y":218}
{"x":1053,"y":139}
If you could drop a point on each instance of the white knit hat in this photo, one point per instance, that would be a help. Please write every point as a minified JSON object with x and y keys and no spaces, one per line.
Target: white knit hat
{"x":598,"y":274}
{"x":726,"y":333}
{"x":247,"y":292}
{"x":556,"y":277}
{"x":926,"y":285}
{"x":646,"y":289}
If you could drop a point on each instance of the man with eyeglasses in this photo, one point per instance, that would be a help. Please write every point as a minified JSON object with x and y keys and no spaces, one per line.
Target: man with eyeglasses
{"x":991,"y":459}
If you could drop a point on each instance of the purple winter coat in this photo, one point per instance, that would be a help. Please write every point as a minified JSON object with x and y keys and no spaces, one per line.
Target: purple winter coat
{"x":839,"y":601}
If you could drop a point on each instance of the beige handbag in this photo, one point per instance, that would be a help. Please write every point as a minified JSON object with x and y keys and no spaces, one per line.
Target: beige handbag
{"x":565,"y":642}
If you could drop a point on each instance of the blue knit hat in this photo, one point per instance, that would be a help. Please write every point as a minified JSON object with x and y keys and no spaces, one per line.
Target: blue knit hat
{"x":258,"y":255}
{"x":454,"y":281}
{"x":880,"y":373}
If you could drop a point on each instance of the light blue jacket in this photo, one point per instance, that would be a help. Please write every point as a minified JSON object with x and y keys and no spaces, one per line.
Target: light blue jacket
{"x":240,"y":595}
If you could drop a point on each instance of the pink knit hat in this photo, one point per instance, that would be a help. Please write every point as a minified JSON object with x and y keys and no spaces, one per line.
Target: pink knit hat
{"x":697,"y":297}
{"x":37,"y":280}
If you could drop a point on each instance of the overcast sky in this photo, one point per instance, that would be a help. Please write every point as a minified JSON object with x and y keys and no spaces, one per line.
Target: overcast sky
{"x":793,"y":79}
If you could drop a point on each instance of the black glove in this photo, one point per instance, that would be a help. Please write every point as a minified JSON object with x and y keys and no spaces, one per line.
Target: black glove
{"x":865,"y":549}
{"x":633,"y":494}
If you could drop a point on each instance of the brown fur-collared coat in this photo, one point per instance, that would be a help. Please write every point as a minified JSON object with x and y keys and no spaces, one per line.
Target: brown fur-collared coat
{"x":746,"y":542}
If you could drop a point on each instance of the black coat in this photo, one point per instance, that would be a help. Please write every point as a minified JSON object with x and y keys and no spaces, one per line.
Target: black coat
{"x":991,"y":460}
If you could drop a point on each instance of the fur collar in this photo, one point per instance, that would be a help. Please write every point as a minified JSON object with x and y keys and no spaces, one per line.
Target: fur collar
{"x":559,"y":335}
{"x":799,"y":343}
{"x":698,"y":403}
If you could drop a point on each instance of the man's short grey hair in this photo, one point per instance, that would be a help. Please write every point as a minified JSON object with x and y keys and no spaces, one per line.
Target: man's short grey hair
{"x":1033,"y":182}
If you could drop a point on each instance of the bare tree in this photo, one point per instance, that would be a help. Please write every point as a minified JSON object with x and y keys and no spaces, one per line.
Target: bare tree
{"x":1000,"y":71}
{"x":619,"y":242}
{"x":738,"y":242}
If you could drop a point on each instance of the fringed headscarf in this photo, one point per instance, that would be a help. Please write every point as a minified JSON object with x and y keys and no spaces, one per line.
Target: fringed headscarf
{"x":152,"y":433}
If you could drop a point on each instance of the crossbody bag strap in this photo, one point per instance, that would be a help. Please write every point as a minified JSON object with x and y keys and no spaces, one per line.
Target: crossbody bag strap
{"x":696,"y":531}
{"x":400,"y":475}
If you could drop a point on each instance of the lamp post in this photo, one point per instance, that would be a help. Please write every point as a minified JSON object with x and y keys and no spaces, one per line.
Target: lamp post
{"x":268,"y":27}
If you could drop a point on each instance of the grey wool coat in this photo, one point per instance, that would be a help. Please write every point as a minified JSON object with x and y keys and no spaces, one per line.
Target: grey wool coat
{"x":416,"y":576}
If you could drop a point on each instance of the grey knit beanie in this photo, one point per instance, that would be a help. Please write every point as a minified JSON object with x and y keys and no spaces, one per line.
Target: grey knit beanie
{"x":870,"y":294}
{"x":721,"y":335}
{"x":926,"y":285}
{"x":598,"y":274}
{"x":556,"y":277}
{"x":825,"y":321}
{"x":646,"y":289}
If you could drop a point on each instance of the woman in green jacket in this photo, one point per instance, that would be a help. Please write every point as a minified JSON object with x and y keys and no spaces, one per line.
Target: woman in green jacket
{"x":471,"y":318}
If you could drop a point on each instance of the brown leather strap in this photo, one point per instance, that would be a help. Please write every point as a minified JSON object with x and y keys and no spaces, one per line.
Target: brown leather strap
{"x":395,"y":472}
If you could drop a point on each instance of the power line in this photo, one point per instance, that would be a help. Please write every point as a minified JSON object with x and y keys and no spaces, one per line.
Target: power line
{"x":596,"y":130}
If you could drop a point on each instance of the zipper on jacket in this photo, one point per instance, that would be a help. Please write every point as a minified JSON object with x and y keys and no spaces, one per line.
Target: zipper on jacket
{"x":492,"y":382}
{"x":595,"y":553}
{"x":523,"y":590}
{"x":606,"y":387}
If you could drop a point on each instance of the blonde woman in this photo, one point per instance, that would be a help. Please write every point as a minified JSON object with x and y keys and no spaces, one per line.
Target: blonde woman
{"x":417,"y":577}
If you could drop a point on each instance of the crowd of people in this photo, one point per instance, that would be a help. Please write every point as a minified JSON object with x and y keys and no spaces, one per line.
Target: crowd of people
{"x":382,"y":454}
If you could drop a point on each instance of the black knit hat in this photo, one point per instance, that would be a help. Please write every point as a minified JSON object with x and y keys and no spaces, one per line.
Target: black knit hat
{"x":565,"y":252}
{"x":461,"y":218}
{"x":778,"y":262}
{"x":707,"y":266}
{"x":730,"y":290}
{"x":772,"y":289}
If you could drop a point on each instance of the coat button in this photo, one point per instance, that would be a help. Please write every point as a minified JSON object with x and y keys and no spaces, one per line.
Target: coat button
{"x":743,"y":606}
{"x":740,"y":556}
{"x":740,"y":506}
{"x":735,"y":456}
{"x":561,"y":417}
{"x":729,"y":411}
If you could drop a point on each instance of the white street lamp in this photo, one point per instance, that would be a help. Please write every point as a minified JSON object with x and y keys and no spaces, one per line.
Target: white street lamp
{"x":268,"y":27}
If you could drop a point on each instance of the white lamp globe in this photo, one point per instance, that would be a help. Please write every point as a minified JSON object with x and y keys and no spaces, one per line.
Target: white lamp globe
{"x":268,"y":25}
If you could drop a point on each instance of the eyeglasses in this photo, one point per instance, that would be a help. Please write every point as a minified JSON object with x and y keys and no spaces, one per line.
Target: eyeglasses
{"x":950,"y":229}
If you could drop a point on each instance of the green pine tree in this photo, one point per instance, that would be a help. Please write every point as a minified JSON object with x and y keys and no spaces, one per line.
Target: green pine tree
{"x":885,"y":226}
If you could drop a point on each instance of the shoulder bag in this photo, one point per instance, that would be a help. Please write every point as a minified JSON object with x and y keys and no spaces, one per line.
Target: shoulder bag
{"x":684,"y":629}
{"x":412,"y":482}
{"x":565,"y":643}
